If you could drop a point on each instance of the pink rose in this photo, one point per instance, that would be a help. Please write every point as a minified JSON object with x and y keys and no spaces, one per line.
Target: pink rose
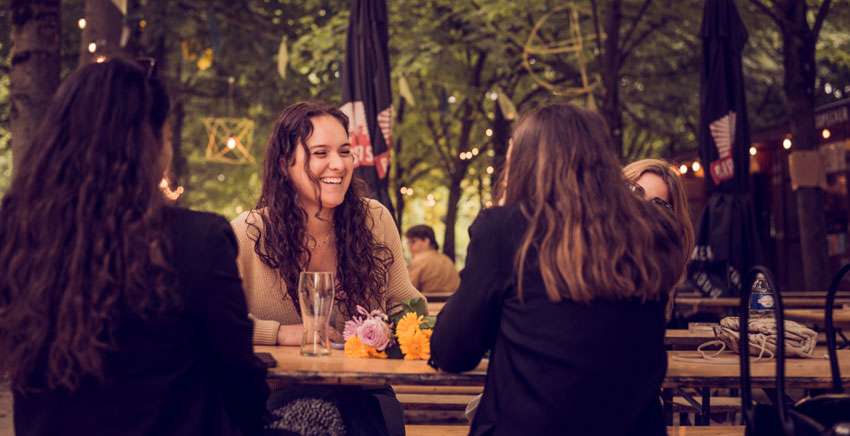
{"x":351,"y":327}
{"x":374,"y":333}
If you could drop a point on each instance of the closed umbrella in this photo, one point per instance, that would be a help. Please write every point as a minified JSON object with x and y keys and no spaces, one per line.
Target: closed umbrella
{"x":367,"y":96}
{"x":727,"y":238}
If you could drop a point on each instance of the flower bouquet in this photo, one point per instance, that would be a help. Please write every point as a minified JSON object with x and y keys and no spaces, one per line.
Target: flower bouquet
{"x":404,"y":335}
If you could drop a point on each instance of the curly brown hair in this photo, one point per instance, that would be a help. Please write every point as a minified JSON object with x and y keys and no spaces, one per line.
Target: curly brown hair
{"x":81,"y":241}
{"x":282,"y":243}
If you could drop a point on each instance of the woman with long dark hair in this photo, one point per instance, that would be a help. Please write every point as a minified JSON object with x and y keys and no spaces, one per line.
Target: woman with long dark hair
{"x":312,"y":215}
{"x":565,"y":286}
{"x":119,"y":314}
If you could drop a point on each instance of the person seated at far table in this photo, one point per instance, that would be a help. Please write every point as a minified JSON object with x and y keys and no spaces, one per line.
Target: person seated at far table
{"x":565,"y":286}
{"x":655,"y":180}
{"x":430,"y":270}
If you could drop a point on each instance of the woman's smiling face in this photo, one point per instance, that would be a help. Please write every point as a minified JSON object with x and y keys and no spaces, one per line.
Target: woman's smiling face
{"x":331,"y":165}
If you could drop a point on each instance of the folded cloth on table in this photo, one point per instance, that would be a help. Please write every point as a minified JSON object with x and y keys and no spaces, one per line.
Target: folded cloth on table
{"x":800,"y":340}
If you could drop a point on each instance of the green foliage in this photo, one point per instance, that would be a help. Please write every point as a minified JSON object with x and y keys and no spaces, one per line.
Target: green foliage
{"x":436,"y":46}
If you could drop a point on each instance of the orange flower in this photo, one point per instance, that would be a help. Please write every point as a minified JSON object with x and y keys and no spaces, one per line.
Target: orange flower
{"x":417,"y":345}
{"x":408,"y":324}
{"x":355,"y":348}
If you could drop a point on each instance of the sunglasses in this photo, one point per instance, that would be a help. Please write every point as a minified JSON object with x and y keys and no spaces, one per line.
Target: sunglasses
{"x":640,"y":192}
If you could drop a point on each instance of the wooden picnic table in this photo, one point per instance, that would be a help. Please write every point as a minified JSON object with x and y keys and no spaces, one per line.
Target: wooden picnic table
{"x":685,"y":369}
{"x":438,"y":297}
{"x":840,"y":318}
{"x":337,"y":369}
{"x":734,"y":302}
{"x":435,"y":308}
{"x":685,"y":338}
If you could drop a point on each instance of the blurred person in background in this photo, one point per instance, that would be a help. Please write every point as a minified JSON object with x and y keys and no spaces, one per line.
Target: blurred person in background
{"x":430,"y":270}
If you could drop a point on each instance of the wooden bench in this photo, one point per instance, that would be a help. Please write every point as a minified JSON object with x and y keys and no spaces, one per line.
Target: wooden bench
{"x":462,"y":430}
{"x":718,"y":404}
{"x":435,"y":401}
{"x":417,"y":389}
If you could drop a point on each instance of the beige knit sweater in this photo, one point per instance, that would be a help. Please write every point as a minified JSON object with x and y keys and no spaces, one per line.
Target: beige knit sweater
{"x":268,"y":301}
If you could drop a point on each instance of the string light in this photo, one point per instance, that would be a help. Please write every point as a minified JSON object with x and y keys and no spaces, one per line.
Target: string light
{"x":488,"y":132}
{"x":786,"y":143}
{"x":452,"y":99}
{"x":221,"y":177}
{"x":490,"y":170}
{"x":683,"y":169}
{"x":494,"y":95}
{"x":753,"y":151}
{"x":100,"y":59}
{"x":81,"y":23}
{"x":475,"y":151}
{"x":92,"y":47}
{"x":696,"y":166}
{"x":169,"y":194}
{"x":827,"y":88}
{"x":231,"y":143}
{"x":826,"y":133}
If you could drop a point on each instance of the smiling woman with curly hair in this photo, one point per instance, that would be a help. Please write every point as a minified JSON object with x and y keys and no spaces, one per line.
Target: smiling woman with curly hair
{"x":312,"y":216}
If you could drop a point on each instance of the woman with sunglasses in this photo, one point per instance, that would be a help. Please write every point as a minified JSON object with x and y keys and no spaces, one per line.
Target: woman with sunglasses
{"x":119,"y":315}
{"x":564,"y":286}
{"x":656,"y":180}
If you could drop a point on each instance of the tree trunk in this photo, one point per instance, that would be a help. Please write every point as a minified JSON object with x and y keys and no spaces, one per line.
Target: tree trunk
{"x":611,"y":64}
{"x":799,"y":63}
{"x":35,"y":67}
{"x":103,"y":29}
{"x":455,"y":192}
{"x":501,"y":136}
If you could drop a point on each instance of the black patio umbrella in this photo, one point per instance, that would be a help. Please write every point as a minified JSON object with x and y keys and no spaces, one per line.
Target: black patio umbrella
{"x":727,"y":238}
{"x":367,"y":96}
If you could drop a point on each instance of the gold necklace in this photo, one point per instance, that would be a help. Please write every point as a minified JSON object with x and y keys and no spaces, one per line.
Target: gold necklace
{"x":324,"y":241}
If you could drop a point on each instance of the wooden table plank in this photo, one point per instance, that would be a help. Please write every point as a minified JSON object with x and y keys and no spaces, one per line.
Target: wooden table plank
{"x":438,"y":297}
{"x":733,"y":302}
{"x":338,"y":369}
{"x":462,"y":430}
{"x":687,"y":369}
{"x":841,"y":318}
{"x":684,"y":369}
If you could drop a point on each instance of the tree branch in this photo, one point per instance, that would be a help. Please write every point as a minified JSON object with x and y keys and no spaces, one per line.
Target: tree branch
{"x":820,"y":18}
{"x":627,"y":50}
{"x":766,"y":10}
{"x":627,"y":38}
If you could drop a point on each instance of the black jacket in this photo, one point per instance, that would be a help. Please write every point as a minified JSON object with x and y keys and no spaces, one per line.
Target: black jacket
{"x":555,"y":368}
{"x":192,"y":372}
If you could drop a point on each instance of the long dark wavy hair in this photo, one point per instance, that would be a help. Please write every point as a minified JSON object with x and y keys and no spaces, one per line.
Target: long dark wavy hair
{"x":81,"y":241}
{"x":592,"y":237}
{"x":282,"y":243}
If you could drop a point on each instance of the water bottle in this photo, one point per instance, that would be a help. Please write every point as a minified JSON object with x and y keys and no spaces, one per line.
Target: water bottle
{"x":761,"y":299}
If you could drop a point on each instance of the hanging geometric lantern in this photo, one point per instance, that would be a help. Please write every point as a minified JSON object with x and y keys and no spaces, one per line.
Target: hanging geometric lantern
{"x":573,"y":47}
{"x":229,"y":140}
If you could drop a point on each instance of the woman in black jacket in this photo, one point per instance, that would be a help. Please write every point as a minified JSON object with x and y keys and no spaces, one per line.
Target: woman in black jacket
{"x":565,"y":286}
{"x":119,"y":315}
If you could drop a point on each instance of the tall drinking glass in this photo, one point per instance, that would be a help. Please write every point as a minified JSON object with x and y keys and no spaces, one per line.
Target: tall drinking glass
{"x":316,"y":296}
